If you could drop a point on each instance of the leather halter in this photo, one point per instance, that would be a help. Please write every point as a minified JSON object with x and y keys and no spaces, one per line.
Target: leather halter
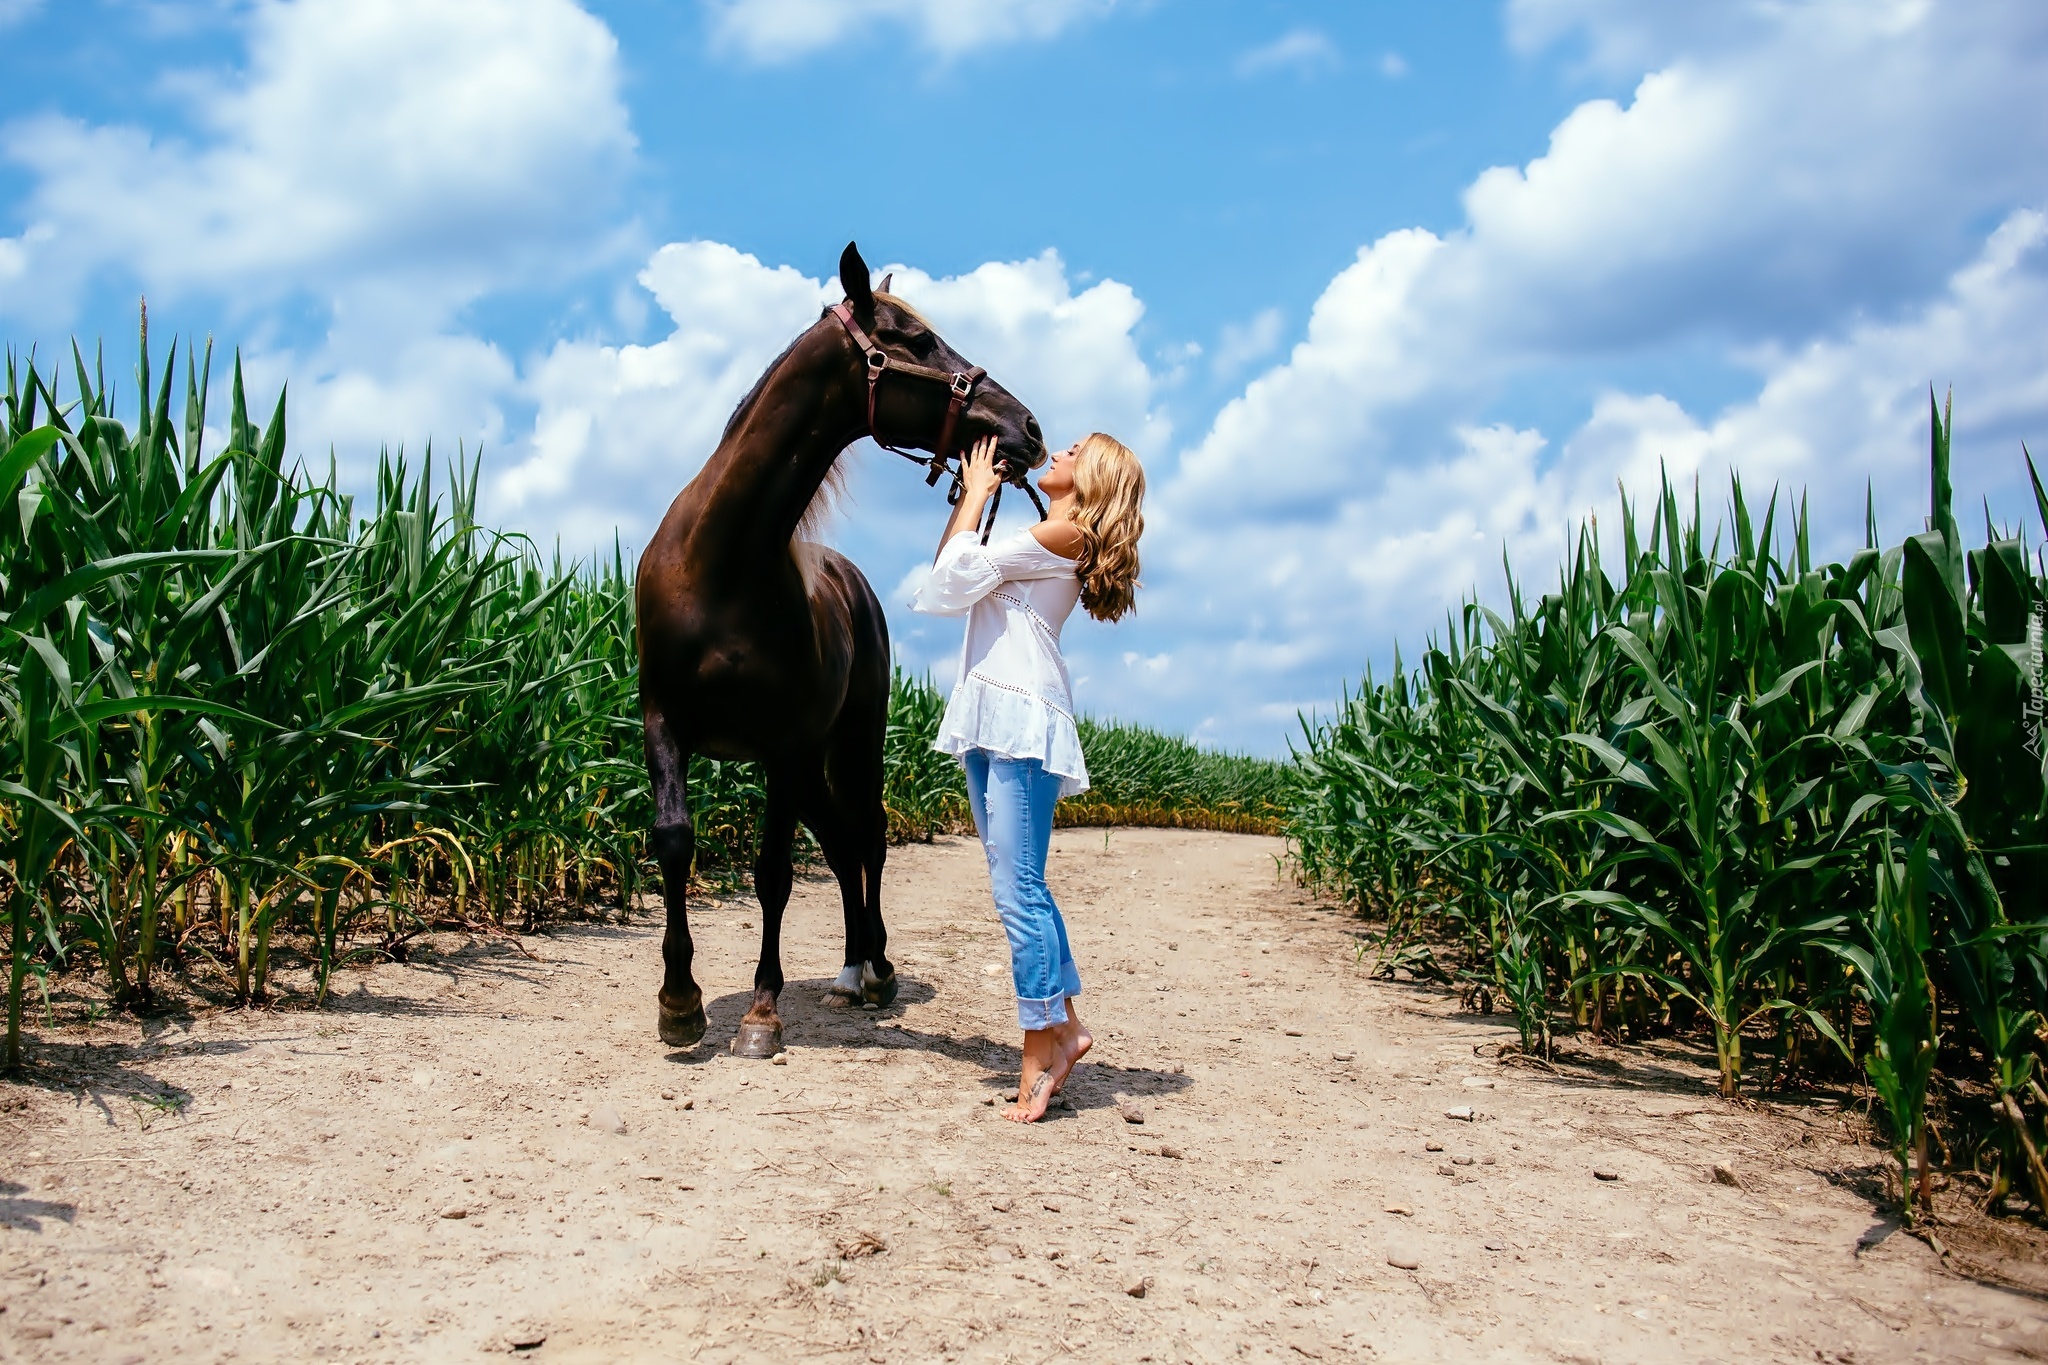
{"x":960,"y":385}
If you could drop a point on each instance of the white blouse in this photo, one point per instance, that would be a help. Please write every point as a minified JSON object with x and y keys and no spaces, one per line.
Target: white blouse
{"x":1013,"y":696}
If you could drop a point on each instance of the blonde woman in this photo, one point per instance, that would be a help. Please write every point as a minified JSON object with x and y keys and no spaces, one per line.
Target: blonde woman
{"x":1011,"y":716}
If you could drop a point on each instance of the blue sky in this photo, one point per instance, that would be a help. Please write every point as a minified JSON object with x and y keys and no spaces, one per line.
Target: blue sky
{"x":1377,"y":290}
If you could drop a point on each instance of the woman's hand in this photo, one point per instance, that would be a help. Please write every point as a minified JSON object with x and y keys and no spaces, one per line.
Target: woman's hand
{"x":978,"y":475}
{"x":978,"y":483}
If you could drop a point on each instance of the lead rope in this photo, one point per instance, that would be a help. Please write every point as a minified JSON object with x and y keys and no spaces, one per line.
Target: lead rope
{"x":997,"y":501}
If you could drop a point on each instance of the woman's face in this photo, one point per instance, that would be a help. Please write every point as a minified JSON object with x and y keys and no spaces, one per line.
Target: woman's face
{"x":1058,"y":479}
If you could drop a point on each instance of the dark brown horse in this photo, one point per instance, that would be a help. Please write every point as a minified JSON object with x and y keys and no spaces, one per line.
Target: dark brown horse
{"x":755,"y":644}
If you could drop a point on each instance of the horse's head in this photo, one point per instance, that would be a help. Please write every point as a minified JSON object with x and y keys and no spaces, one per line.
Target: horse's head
{"x":913,"y":411}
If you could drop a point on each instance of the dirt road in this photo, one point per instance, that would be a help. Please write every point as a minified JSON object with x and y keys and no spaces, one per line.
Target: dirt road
{"x":482,"y":1150}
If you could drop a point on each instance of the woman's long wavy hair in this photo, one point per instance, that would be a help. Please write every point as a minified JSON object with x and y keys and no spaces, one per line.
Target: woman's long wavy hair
{"x":1109,"y":497}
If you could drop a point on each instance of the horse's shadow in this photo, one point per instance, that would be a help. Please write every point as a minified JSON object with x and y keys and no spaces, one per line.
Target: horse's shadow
{"x":811,"y":1024}
{"x":805,"y":1018}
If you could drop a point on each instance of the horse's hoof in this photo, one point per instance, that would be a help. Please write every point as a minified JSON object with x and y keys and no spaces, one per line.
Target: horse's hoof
{"x":838,"y":998}
{"x":759,"y":1041}
{"x":680,"y":1028}
{"x":879,"y":991}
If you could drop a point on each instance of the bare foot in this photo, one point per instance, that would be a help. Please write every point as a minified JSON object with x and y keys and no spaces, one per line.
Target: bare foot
{"x":1035,"y":1087}
{"x":1072,"y":1039}
{"x":1031,"y":1105}
{"x":1049,"y":1058}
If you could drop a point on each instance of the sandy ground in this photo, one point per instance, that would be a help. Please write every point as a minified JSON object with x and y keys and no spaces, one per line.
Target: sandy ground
{"x":278,"y":1185}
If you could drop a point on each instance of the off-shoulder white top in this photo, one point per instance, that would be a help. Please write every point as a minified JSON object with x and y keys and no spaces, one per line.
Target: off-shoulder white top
{"x":1013,"y":696}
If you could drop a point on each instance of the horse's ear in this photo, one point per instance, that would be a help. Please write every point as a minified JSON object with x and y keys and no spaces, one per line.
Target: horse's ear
{"x":853,"y":278}
{"x":887,"y":280}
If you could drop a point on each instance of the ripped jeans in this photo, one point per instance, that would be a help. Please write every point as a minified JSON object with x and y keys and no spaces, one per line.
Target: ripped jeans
{"x":1013,"y":801}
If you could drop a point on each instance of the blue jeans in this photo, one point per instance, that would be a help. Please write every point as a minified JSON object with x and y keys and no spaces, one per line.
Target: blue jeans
{"x":1012,"y":801}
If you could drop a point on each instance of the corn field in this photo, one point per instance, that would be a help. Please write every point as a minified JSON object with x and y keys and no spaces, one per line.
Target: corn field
{"x":1793,"y":809}
{"x":247,"y":722}
{"x":1138,"y":776}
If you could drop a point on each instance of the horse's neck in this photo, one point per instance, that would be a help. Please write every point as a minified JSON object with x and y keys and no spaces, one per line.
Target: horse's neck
{"x":776,"y":453}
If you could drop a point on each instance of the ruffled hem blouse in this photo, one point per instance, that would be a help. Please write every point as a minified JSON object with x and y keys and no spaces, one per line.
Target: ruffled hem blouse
{"x":1013,"y":696}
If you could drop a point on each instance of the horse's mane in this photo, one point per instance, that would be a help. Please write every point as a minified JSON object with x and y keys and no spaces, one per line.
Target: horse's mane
{"x":818,"y":512}
{"x":918,"y":317}
{"x":825,"y":502}
{"x":746,"y":404}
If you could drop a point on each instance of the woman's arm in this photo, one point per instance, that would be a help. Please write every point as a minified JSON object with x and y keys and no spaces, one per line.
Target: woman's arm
{"x":978,"y":484}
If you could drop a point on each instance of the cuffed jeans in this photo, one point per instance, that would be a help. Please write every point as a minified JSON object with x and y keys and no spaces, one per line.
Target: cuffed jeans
{"x":1013,"y":800}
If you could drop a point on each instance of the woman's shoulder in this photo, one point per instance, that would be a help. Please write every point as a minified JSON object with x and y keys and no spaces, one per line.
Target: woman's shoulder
{"x":1022,"y":555}
{"x":1062,"y":538}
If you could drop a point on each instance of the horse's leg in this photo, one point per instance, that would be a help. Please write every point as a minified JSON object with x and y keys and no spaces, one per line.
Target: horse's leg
{"x":863,"y":825}
{"x":760,"y":1033}
{"x":854,"y":761}
{"x":828,"y":818}
{"x":825,"y":822}
{"x":680,"y":1008}
{"x":871,"y":837}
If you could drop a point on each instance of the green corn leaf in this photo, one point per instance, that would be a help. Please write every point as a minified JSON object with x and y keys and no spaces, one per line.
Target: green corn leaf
{"x":1626,"y":641}
{"x":83,"y":580}
{"x":1786,"y":681}
{"x":1855,"y":714}
{"x":1634,"y":909}
{"x":1934,"y":621}
{"x":1857,"y":957}
{"x":2040,"y":494}
{"x":1618,"y":763}
{"x":1618,"y":825}
{"x":43,"y":803}
{"x":114,"y":708}
{"x":57,"y":667}
{"x":2004,"y":591}
{"x":215,"y":736}
{"x":1678,"y":770}
{"x":21,"y":457}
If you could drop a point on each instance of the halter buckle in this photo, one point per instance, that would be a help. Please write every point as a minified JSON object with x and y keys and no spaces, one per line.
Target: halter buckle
{"x":963,"y":385}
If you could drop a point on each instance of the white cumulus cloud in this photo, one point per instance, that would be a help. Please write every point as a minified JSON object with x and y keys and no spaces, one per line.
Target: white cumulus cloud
{"x":1851,"y":409}
{"x":458,"y":143}
{"x":1304,"y":51}
{"x":1242,"y":343}
{"x":780,"y":30}
{"x":1760,"y":197}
